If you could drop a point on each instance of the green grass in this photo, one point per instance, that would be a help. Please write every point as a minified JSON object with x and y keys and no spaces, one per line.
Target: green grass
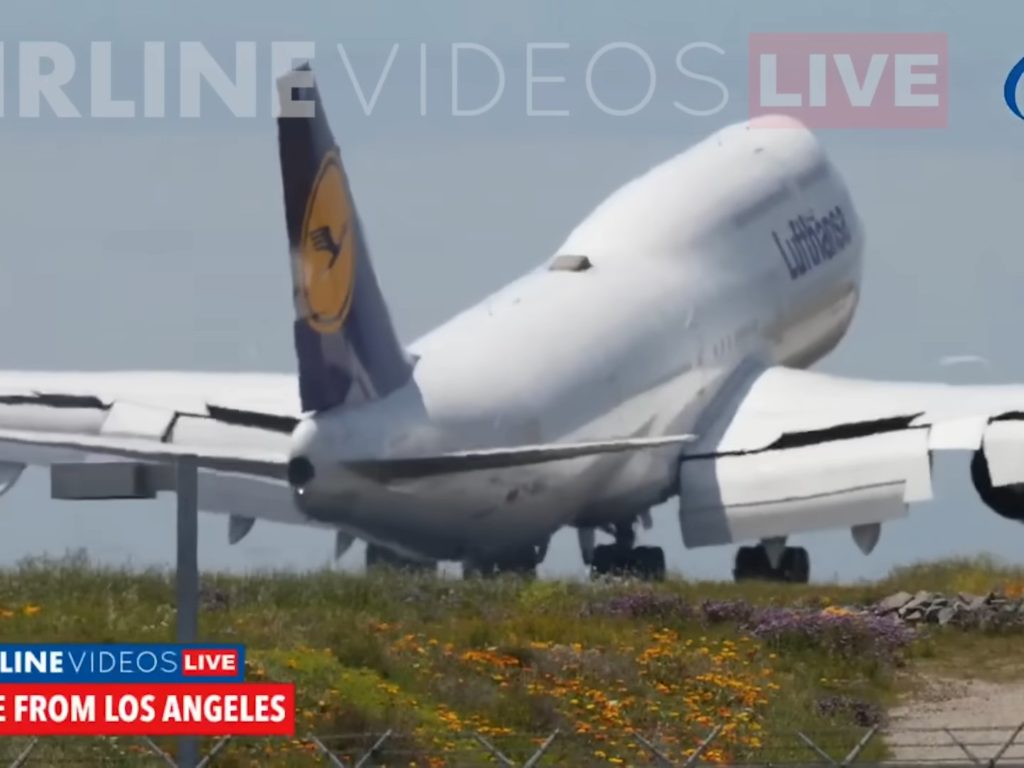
{"x":436,"y":658}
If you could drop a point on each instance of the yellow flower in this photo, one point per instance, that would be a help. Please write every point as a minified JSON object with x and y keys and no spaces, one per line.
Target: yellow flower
{"x":31,"y":610}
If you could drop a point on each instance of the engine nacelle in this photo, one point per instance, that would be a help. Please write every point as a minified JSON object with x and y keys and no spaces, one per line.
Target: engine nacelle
{"x":1006,"y":500}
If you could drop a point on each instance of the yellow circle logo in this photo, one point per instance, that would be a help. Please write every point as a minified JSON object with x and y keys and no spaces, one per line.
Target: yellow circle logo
{"x":328,"y":250}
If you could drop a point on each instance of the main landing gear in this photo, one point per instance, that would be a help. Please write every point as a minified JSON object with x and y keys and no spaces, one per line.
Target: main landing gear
{"x":791,"y":564}
{"x":623,"y":558}
{"x":519,"y":562}
{"x":380,"y":558}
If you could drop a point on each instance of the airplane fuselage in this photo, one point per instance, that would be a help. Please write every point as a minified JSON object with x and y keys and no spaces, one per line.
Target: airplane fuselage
{"x":745,"y":246}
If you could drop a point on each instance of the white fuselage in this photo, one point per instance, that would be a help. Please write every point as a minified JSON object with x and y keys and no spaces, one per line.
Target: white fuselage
{"x":746,"y":245}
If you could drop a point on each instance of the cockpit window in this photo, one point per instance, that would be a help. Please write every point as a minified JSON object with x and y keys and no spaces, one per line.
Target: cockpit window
{"x":570,"y":263}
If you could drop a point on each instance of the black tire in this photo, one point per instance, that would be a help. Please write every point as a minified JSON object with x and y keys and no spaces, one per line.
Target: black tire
{"x":795,"y":567}
{"x":649,"y":563}
{"x":752,"y":563}
{"x":605,"y":560}
{"x":477,"y":569}
{"x":380,"y":557}
{"x":521,"y":563}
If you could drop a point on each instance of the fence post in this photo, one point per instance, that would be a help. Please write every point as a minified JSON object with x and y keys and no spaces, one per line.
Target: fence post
{"x":859,"y":746}
{"x":541,"y":750}
{"x":187,"y":577}
{"x":1009,"y":743}
{"x":23,"y":757}
{"x":973,"y":758}
{"x":372,"y":751}
{"x":494,"y":751}
{"x":817,"y":750}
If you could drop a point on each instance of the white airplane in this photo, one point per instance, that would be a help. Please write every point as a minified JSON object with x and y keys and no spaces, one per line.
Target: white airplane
{"x":656,"y":354}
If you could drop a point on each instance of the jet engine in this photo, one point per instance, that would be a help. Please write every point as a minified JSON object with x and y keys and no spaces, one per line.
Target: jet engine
{"x":1006,"y":500}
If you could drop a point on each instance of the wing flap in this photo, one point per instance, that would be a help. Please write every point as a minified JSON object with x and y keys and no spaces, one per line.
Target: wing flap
{"x":843,"y":483}
{"x":126,"y":419}
{"x":1003,"y":443}
{"x":245,"y":461}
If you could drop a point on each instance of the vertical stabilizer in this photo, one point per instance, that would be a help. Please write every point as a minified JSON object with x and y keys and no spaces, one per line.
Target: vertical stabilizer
{"x":346,"y":345}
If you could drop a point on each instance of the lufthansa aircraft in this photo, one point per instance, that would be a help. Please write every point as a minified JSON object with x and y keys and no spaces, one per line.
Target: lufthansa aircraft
{"x":657,"y":354}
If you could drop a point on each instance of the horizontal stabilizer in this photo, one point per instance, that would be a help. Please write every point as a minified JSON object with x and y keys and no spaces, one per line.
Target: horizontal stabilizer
{"x":501,"y":458}
{"x":260,"y":464}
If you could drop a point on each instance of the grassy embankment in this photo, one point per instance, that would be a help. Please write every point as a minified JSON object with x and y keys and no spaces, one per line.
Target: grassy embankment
{"x":513,"y":660}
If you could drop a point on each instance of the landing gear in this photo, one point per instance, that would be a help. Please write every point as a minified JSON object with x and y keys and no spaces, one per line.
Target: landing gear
{"x":521,"y":562}
{"x":379,"y":558}
{"x":624,"y":559}
{"x":753,"y":563}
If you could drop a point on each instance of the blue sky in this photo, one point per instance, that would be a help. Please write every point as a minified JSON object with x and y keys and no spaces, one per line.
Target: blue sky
{"x":160,"y":244}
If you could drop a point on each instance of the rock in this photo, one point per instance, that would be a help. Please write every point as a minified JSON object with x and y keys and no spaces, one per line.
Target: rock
{"x":894,"y":602}
{"x":920,"y":600}
{"x":977,"y":603}
{"x":946,"y":615}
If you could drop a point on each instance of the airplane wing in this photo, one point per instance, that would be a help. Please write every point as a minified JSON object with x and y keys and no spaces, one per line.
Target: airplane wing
{"x":783,"y":451}
{"x":236,"y":426}
{"x":266,"y":464}
{"x":129,"y":418}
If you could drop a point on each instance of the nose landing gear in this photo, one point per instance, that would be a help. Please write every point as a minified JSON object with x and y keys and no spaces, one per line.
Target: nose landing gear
{"x":623,"y":558}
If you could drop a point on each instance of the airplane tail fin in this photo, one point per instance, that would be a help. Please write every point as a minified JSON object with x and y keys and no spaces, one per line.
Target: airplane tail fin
{"x":346,"y":345}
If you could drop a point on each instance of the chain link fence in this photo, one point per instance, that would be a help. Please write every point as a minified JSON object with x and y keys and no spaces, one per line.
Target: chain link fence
{"x":990,"y":745}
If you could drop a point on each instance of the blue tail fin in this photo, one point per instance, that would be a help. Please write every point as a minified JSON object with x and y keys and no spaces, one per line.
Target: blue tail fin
{"x":347,"y":348}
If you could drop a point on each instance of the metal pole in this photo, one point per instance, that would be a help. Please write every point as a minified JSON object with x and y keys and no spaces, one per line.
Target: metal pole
{"x":187,"y":577}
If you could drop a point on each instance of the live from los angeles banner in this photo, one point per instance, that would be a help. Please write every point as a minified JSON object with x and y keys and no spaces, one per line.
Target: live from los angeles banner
{"x":130,"y":689}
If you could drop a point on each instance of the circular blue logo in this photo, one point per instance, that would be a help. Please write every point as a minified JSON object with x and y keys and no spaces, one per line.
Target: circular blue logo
{"x":1010,"y":88}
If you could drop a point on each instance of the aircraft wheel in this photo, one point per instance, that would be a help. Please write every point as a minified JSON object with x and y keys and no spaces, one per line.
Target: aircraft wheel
{"x":795,"y":565}
{"x":752,"y":563}
{"x":606,"y":560}
{"x":378,"y":557}
{"x":520,"y":563}
{"x":647,"y":563}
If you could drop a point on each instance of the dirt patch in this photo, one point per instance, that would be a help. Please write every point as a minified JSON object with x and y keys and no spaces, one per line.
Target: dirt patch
{"x":982,"y":716}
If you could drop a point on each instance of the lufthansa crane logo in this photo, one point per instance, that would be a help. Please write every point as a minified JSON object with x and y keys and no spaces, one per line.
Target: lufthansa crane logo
{"x":328,"y":250}
{"x":1010,"y":88}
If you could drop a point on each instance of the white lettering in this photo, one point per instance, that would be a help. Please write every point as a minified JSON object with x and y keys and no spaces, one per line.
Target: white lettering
{"x":283,"y":57}
{"x":102,"y":71}
{"x":818,"y":78}
{"x":770,"y":96}
{"x":531,"y":78}
{"x":154,"y":75}
{"x":907,"y":78}
{"x":34,"y":85}
{"x":197,"y":66}
{"x":368,"y":105}
{"x":701,"y":78}
{"x":457,"y":48}
{"x":861,"y":95}
{"x":652,"y":79}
